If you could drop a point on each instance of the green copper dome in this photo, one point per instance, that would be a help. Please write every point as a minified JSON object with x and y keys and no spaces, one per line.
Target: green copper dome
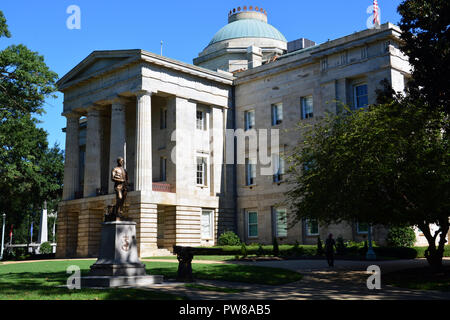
{"x":247,"y":28}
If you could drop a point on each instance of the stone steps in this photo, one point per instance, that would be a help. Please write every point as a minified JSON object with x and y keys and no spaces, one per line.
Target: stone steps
{"x":159,"y":253}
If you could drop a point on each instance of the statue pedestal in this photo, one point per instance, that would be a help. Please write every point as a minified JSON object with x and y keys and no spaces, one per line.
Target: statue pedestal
{"x":118,"y":262}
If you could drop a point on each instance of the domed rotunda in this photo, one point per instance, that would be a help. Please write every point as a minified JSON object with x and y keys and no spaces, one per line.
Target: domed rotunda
{"x":245,"y":42}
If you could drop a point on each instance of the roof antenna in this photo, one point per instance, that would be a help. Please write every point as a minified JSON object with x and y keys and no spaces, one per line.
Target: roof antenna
{"x":161,"y":46}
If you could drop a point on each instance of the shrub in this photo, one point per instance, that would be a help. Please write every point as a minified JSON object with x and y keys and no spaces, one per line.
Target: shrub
{"x":45,"y":248}
{"x":276,"y":249}
{"x":229,"y":238}
{"x":244,"y":250}
{"x":396,"y":252}
{"x":319,"y":247}
{"x":297,"y":250}
{"x":260,"y":251}
{"x":401,"y":237}
{"x":340,"y":246}
{"x":362,"y":251}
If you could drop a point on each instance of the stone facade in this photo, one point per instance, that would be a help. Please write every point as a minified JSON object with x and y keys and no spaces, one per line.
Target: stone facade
{"x":133,"y":101}
{"x":328,"y":73}
{"x":169,"y":119}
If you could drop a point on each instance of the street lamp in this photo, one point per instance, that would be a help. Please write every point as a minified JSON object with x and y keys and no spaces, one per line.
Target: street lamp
{"x":3,"y":236}
{"x":370,"y":255}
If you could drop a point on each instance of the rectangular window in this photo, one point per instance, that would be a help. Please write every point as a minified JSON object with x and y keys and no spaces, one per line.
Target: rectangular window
{"x":250,"y":172}
{"x":344,"y":58}
{"x":364,"y":53}
{"x":207,"y":224}
{"x":163,"y":118}
{"x":277,"y":114}
{"x":201,"y":171}
{"x":281,"y":222}
{"x":252,"y":223}
{"x":307,"y":107}
{"x":201,"y":120}
{"x":249,"y":119}
{"x":278,"y":162}
{"x":162,"y":168}
{"x":362,"y":228}
{"x":361,"y":96}
{"x":312,"y":227}
{"x":324,"y":63}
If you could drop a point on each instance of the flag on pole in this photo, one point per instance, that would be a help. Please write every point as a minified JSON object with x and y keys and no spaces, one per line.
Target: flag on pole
{"x":31,"y":232}
{"x":376,"y":14}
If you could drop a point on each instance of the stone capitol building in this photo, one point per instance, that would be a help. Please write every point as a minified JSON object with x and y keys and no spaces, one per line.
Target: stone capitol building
{"x":168,"y":120}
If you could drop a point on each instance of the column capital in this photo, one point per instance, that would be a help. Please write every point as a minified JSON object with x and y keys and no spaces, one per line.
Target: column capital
{"x":71,"y":115}
{"x":141,"y":93}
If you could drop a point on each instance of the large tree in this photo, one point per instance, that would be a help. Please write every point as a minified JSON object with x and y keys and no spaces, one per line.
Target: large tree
{"x":425,"y":26}
{"x":387,"y":164}
{"x":30,"y":171}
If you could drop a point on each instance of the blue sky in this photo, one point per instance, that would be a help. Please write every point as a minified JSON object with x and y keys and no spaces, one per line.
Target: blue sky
{"x":185,"y":27}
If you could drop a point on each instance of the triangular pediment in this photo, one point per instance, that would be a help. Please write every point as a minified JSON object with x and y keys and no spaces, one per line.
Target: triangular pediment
{"x":96,"y":63}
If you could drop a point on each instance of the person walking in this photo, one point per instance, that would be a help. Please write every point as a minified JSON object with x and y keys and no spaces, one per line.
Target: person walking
{"x":329,"y":250}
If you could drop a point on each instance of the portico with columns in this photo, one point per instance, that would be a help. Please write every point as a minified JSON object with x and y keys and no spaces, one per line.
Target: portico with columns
{"x":143,"y":107}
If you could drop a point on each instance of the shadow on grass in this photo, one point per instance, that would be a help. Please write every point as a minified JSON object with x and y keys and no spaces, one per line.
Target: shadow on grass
{"x":51,"y":286}
{"x":229,"y":272}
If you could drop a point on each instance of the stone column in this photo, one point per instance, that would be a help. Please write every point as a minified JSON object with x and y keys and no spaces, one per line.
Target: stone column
{"x":118,"y":137}
{"x":143,"y":167}
{"x":71,"y":164}
{"x":92,"y":166}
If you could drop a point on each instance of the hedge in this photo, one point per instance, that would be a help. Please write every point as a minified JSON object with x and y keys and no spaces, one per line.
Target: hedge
{"x":311,"y":250}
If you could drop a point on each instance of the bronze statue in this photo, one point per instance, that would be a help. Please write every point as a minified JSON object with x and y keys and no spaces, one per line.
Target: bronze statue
{"x":120,"y":177}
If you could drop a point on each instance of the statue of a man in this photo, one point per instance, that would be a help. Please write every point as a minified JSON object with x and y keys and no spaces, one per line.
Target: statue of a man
{"x":120,"y":177}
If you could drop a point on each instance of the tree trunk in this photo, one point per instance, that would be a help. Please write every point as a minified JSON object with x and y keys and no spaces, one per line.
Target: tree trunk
{"x":435,"y":254}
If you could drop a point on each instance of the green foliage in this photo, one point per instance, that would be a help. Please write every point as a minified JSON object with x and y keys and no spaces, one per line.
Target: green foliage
{"x":401,"y":237}
{"x":244,"y":250}
{"x":399,"y":172}
{"x":319,"y":247}
{"x":45,"y":248}
{"x":426,"y":42}
{"x":260,"y":251}
{"x":30,"y":171}
{"x":396,"y":252}
{"x":276,"y":249}
{"x":421,"y":251}
{"x":364,"y":249}
{"x":4,"y":32}
{"x":340,"y":246}
{"x":229,"y":238}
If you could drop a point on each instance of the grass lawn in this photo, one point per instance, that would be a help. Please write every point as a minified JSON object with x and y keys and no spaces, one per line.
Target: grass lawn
{"x":228,"y":272}
{"x":40,"y":280}
{"x":419,"y":279}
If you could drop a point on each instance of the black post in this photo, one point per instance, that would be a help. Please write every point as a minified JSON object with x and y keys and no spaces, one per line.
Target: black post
{"x":184,"y":256}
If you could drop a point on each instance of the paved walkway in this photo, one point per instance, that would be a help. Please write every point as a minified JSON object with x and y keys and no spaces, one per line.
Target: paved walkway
{"x":346,"y":281}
